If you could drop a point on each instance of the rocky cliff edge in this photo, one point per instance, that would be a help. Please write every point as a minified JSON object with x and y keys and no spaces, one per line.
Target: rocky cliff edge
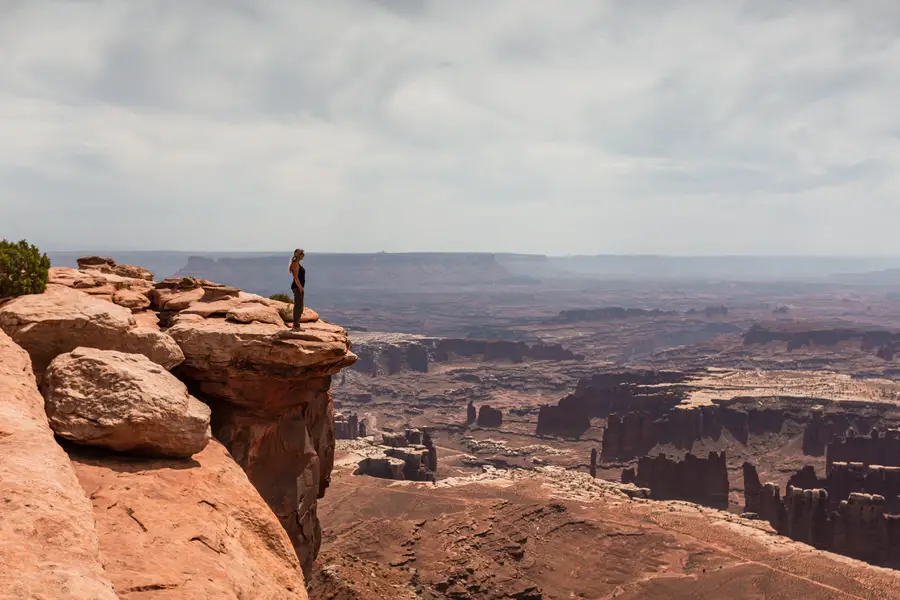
{"x":194,"y":435}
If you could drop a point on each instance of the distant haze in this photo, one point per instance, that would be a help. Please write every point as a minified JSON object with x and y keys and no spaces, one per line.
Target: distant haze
{"x":710,"y":127}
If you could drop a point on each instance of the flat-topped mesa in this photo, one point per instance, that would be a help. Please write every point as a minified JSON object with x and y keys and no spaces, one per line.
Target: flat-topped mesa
{"x":269,"y":388}
{"x":390,"y":353}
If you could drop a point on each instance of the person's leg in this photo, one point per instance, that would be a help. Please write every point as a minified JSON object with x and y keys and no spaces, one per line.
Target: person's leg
{"x":298,"y":308}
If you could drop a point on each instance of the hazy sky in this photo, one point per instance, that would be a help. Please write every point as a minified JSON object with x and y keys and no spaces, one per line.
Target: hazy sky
{"x":575,"y":126}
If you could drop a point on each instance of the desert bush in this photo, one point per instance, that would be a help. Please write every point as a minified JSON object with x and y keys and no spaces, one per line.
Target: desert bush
{"x":282,"y":298}
{"x":23,"y":269}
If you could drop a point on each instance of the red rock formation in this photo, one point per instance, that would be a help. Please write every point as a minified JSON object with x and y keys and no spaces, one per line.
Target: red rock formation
{"x":48,"y":541}
{"x":845,"y":479}
{"x":489,"y":417}
{"x":62,"y":319}
{"x":817,"y":434}
{"x":268,"y":389}
{"x":806,"y":479}
{"x":567,"y":419}
{"x":863,"y":530}
{"x":799,"y":335}
{"x":471,"y":413}
{"x":762,"y":500}
{"x":633,"y":435}
{"x":408,"y":455}
{"x":806,"y":517}
{"x":108,"y":265}
{"x":191,"y":530}
{"x":432,"y":450}
{"x":270,"y":393}
{"x":346,"y":427}
{"x":873,"y":449}
{"x":154,"y":415}
{"x":838,"y":518}
{"x":387,"y":354}
{"x":703,"y":480}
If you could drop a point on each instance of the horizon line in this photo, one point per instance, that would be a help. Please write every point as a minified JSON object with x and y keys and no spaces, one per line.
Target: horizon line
{"x":200,"y":253}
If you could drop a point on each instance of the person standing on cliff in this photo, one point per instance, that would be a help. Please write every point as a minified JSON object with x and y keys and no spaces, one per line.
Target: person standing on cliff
{"x":297,"y":285}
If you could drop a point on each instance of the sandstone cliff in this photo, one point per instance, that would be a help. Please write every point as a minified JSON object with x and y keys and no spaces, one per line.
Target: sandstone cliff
{"x":48,"y":540}
{"x":847,"y":512}
{"x":383,"y":354}
{"x":177,"y":515}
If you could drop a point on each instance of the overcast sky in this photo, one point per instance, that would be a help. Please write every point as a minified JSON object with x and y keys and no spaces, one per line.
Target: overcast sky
{"x":575,"y":126}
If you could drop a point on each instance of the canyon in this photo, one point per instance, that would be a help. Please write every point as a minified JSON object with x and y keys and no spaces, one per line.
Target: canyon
{"x":477,"y":426}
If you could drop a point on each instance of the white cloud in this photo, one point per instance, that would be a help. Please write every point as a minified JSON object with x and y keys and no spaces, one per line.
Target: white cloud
{"x":578,"y":127}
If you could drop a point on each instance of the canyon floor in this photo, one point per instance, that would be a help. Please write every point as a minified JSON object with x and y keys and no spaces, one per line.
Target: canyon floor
{"x":552,"y":533}
{"x":515,"y":514}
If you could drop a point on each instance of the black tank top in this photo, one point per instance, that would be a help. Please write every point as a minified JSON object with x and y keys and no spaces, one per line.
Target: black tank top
{"x":301,"y":277}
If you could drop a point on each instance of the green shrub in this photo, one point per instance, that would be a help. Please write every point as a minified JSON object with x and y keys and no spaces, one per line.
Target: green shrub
{"x":23,"y":269}
{"x":282,"y":298}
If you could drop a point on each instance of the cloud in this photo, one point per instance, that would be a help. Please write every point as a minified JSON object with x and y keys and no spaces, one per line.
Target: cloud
{"x":702,"y":127}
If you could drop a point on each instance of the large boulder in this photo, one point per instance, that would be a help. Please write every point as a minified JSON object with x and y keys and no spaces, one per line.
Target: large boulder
{"x":48,"y":543}
{"x":123,"y":402}
{"x":191,"y":530}
{"x":62,"y":319}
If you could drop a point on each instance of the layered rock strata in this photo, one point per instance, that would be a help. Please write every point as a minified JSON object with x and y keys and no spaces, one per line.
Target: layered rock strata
{"x":347,"y":427}
{"x":383,"y":354}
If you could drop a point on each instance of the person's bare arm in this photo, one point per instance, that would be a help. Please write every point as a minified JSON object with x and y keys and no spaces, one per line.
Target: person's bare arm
{"x":294,"y":271}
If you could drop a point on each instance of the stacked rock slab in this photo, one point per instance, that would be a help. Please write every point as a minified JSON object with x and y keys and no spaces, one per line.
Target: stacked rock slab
{"x":48,"y":542}
{"x":270,"y":393}
{"x":62,"y":319}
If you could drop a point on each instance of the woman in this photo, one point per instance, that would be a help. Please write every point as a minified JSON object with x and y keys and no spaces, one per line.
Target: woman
{"x":299,"y":280}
